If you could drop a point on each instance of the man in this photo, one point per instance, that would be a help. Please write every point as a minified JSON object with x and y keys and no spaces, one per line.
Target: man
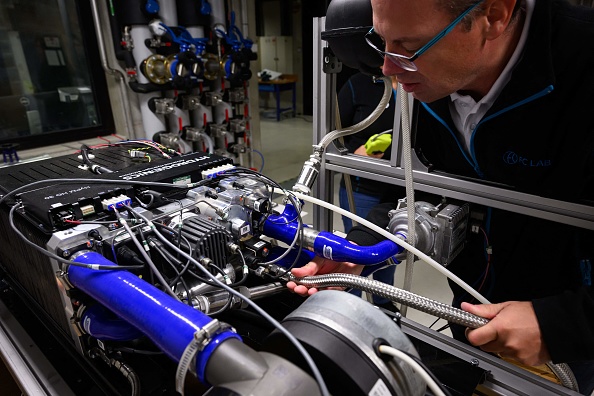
{"x":504,"y":94}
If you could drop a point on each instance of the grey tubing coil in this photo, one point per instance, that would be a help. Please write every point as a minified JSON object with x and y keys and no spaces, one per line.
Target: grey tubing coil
{"x":423,"y":304}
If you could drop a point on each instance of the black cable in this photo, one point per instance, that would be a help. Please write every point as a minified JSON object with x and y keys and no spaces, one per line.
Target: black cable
{"x":97,"y":169}
{"x":267,"y":181}
{"x":178,"y":275}
{"x":61,"y":259}
{"x":224,"y":307}
{"x":312,"y":365}
{"x":137,"y":351}
{"x":144,"y":254}
{"x":433,"y":324}
{"x":158,"y":246}
{"x":172,"y":257}
{"x":245,"y":271}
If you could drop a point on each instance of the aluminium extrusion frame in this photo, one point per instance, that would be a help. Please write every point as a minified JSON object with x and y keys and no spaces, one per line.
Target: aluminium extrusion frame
{"x":496,"y":196}
{"x":502,"y":378}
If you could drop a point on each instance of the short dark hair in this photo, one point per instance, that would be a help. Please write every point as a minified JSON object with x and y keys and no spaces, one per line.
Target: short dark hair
{"x":457,"y":7}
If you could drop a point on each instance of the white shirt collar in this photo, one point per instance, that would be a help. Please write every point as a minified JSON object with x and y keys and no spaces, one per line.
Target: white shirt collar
{"x":505,"y":76}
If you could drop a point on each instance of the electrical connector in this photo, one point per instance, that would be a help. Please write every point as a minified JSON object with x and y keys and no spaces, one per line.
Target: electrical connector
{"x":214,"y":172}
{"x":139,"y":154}
{"x":87,"y":210}
{"x":64,"y":216}
{"x":116,"y":202}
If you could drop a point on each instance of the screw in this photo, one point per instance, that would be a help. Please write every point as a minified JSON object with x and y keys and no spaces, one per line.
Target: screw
{"x":474,"y":362}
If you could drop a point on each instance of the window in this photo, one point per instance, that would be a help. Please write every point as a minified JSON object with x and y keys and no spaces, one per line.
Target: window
{"x":52,"y":86}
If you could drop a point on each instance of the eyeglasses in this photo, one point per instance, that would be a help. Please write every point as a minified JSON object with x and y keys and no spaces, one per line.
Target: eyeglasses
{"x":405,"y":62}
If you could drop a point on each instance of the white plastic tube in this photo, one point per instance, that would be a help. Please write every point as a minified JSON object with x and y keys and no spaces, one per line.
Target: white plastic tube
{"x":395,"y":353}
{"x":410,"y":192}
{"x":396,"y":240}
{"x":327,"y":139}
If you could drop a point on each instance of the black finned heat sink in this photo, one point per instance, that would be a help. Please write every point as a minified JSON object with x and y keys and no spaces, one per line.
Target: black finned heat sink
{"x":209,"y":239}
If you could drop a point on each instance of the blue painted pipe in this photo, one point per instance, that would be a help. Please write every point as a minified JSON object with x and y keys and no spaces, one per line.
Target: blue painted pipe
{"x":98,"y":322}
{"x":170,"y":324}
{"x":284,"y":227}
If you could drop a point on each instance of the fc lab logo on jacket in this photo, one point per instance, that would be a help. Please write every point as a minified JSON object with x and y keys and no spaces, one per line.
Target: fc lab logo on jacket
{"x":512,"y":158}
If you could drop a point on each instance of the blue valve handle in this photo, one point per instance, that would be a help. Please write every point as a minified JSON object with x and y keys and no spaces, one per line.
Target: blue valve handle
{"x":205,"y":7}
{"x":151,"y":6}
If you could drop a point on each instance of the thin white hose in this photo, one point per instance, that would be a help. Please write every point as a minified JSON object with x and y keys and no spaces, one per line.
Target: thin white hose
{"x":410,"y":192}
{"x":327,"y":139}
{"x":397,"y":241}
{"x":435,"y":389}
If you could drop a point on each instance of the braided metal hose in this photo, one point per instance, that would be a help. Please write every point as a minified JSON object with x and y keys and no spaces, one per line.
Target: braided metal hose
{"x":395,"y":294}
{"x":565,"y":375}
{"x":423,"y":304}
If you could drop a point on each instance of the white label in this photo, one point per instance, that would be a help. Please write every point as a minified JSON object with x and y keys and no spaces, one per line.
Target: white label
{"x":327,"y":252}
{"x":182,"y":180}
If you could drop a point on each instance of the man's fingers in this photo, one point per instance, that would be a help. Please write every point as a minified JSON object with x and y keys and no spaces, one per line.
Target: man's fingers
{"x":308,"y":269}
{"x":482,"y":336}
{"x":300,"y":289}
{"x":487,"y":311}
{"x":487,"y":333}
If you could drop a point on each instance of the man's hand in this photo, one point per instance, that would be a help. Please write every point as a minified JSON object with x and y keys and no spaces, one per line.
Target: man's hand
{"x":320,"y":266}
{"x":512,"y":332}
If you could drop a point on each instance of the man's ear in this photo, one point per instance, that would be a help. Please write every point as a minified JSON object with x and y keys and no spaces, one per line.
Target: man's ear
{"x":498,"y":14}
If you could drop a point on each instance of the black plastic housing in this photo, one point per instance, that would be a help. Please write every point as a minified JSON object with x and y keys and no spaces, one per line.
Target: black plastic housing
{"x":347,"y":22}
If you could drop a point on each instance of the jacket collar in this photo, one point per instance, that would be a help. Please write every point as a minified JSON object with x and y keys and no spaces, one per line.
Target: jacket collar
{"x":534,"y":71}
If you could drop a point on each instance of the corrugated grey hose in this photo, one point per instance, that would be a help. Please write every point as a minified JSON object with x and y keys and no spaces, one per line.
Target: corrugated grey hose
{"x":423,"y":304}
{"x":410,"y":191}
{"x":395,"y":294}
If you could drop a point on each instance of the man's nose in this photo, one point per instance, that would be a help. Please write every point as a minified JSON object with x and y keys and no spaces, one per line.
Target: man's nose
{"x":390,"y":68}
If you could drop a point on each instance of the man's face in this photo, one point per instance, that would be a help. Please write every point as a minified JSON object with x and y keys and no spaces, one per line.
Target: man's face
{"x":453,"y":64}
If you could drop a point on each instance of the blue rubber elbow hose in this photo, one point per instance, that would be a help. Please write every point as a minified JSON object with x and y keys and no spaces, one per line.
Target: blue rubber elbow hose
{"x":325,"y":244}
{"x":170,"y":324}
{"x":100,"y":323}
